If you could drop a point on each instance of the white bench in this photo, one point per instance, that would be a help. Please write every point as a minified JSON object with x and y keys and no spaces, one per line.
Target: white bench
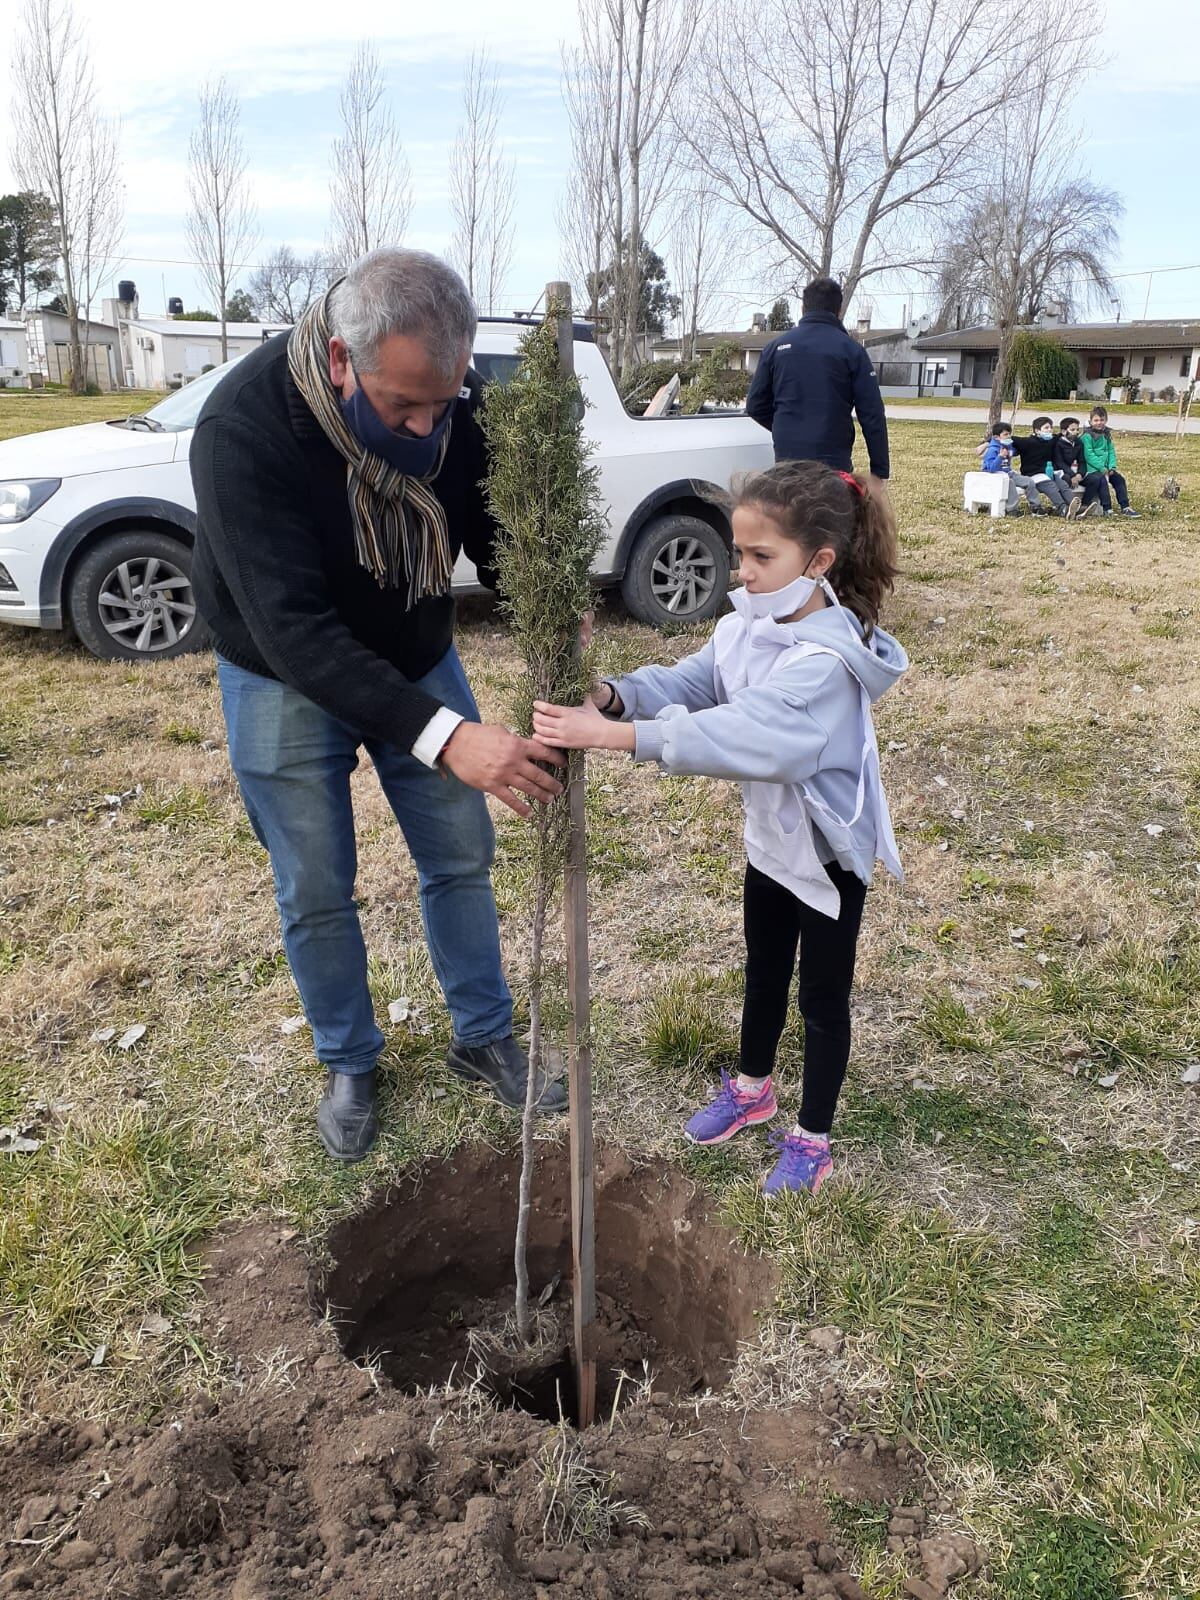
{"x":986,"y":491}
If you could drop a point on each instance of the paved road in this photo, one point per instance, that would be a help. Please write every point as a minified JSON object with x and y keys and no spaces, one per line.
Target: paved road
{"x":1122,"y":421}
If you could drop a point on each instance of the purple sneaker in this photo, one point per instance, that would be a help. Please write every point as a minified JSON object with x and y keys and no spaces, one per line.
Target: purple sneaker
{"x":730,"y":1112}
{"x":803,"y":1164}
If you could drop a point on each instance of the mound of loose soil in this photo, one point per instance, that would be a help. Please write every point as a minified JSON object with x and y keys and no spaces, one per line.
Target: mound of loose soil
{"x":312,"y":1475}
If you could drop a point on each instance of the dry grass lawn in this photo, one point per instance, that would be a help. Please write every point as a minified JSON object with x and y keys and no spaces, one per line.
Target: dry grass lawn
{"x":1011,"y":1238}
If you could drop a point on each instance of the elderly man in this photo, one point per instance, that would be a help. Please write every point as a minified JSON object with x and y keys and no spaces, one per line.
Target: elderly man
{"x":337,"y":477}
{"x":808,"y":381}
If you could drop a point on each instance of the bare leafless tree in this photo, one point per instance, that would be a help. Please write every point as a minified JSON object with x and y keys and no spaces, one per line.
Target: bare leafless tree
{"x":371,"y":186}
{"x":1071,"y":240}
{"x":657,"y":36}
{"x":482,"y":188}
{"x":702,"y":253}
{"x":586,"y":211}
{"x":621,"y":81}
{"x":842,"y":129}
{"x":286,"y":284}
{"x":1020,"y":235}
{"x":222,"y":227}
{"x":66,"y":150}
{"x":102,"y":215}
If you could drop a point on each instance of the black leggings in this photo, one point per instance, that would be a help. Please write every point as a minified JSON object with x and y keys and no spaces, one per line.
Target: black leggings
{"x":776,"y":923}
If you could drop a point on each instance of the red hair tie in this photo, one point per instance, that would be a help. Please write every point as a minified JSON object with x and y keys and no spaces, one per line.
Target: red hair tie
{"x":848,"y":477}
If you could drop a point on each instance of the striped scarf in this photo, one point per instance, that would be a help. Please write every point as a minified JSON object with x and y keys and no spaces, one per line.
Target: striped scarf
{"x":399,"y":523}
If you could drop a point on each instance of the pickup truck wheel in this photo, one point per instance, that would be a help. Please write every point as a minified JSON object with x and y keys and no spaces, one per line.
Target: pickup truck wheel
{"x":131,"y":598}
{"x":678,"y":572}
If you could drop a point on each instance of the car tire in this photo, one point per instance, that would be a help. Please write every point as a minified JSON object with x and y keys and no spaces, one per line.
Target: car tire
{"x":678,"y":571}
{"x":111,"y":614}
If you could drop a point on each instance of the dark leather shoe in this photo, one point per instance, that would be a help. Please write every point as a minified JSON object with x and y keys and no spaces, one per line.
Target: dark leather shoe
{"x":503,"y":1066}
{"x":347,"y":1123}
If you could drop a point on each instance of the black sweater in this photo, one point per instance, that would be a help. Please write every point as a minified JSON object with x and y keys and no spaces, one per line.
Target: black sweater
{"x":1036,"y":455}
{"x":275,"y":573}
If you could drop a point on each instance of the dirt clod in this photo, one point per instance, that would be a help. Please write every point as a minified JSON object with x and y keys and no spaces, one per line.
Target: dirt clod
{"x":789,"y":1566}
{"x":76,"y":1555}
{"x":919,"y":1589}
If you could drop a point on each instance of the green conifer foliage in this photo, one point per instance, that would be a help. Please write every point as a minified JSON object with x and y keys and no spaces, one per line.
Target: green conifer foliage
{"x":545,"y":498}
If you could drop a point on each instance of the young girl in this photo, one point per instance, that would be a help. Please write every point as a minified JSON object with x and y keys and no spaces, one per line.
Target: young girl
{"x":780,"y":700}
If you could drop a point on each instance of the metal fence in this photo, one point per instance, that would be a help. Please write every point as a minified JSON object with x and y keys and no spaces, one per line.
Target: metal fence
{"x":931,"y":377}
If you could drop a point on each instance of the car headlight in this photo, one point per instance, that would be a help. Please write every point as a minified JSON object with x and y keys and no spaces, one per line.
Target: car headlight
{"x":21,"y":497}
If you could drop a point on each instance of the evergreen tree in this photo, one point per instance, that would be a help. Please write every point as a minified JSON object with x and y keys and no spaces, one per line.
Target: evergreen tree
{"x":545,"y":497}
{"x":656,"y":304}
{"x":239,"y":307}
{"x":28,"y":248}
{"x":779,"y":318}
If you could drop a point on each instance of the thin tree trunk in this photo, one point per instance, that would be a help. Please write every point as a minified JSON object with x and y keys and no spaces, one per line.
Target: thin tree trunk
{"x":633,"y":262}
{"x":616,"y":298}
{"x":1000,"y":375}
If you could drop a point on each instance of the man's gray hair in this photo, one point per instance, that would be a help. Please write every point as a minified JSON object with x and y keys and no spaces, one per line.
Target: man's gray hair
{"x":403,"y":291}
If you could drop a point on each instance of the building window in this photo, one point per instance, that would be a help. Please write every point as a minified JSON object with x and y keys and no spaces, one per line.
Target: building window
{"x":1185,"y":363}
{"x":1148,"y":366}
{"x":1105,"y":366}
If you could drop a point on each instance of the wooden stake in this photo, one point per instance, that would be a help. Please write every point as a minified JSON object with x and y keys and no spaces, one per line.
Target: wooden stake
{"x":579,"y":1039}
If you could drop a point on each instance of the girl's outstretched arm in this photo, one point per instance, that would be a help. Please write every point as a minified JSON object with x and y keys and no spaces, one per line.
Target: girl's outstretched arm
{"x":690,"y":683}
{"x":777,"y":732}
{"x":581,"y":728}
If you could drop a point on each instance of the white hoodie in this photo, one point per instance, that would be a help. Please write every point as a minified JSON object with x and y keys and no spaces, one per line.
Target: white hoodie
{"x":785,"y":709}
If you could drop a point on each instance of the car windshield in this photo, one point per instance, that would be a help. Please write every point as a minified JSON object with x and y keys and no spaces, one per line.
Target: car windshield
{"x":179,"y":411}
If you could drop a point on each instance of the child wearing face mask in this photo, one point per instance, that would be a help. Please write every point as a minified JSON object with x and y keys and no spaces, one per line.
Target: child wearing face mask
{"x":780,"y":701}
{"x":1069,"y":467}
{"x":1036,"y":452}
{"x":997,"y":453}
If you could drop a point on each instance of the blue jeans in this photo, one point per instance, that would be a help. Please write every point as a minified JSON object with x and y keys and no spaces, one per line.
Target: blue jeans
{"x":293,"y":763}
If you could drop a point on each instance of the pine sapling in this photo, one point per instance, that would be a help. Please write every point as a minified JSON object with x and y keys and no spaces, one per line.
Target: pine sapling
{"x":545,"y":498}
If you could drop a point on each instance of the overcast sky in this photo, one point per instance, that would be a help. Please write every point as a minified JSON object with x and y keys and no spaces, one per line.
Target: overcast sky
{"x":286,"y":60}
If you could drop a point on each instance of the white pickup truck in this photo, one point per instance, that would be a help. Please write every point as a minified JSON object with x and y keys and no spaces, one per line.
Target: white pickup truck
{"x":97,"y":521}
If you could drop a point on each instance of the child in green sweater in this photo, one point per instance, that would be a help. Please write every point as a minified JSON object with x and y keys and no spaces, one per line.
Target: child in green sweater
{"x":1100,"y":466}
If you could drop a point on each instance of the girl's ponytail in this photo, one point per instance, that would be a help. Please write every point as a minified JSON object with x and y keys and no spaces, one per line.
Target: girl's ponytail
{"x":867,"y":570}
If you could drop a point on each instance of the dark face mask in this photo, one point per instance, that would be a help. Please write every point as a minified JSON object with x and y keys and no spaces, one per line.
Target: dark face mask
{"x":414,"y":457}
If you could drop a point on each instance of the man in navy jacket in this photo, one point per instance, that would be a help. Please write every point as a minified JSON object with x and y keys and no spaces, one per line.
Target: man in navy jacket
{"x":810,"y":379}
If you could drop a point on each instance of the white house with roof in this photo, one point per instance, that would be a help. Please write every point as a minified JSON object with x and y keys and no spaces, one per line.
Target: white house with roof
{"x":14,"y":355}
{"x":1163,"y":355}
{"x":748,"y":346}
{"x":167,"y":352}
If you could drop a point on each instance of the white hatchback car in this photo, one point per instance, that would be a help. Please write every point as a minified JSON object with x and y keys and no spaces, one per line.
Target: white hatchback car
{"x":97,"y":522}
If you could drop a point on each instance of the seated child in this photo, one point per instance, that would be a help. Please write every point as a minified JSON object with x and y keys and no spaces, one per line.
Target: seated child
{"x":1036,"y":451}
{"x":1100,"y":466}
{"x":997,"y":457}
{"x":1069,"y":467}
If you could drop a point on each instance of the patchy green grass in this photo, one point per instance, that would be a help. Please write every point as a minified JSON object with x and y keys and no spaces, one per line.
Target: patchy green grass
{"x":36,"y":411}
{"x":1009,"y":1239}
{"x":685,"y":1031}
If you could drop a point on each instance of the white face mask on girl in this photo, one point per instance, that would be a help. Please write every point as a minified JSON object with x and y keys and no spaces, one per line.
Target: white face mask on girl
{"x":783,"y":602}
